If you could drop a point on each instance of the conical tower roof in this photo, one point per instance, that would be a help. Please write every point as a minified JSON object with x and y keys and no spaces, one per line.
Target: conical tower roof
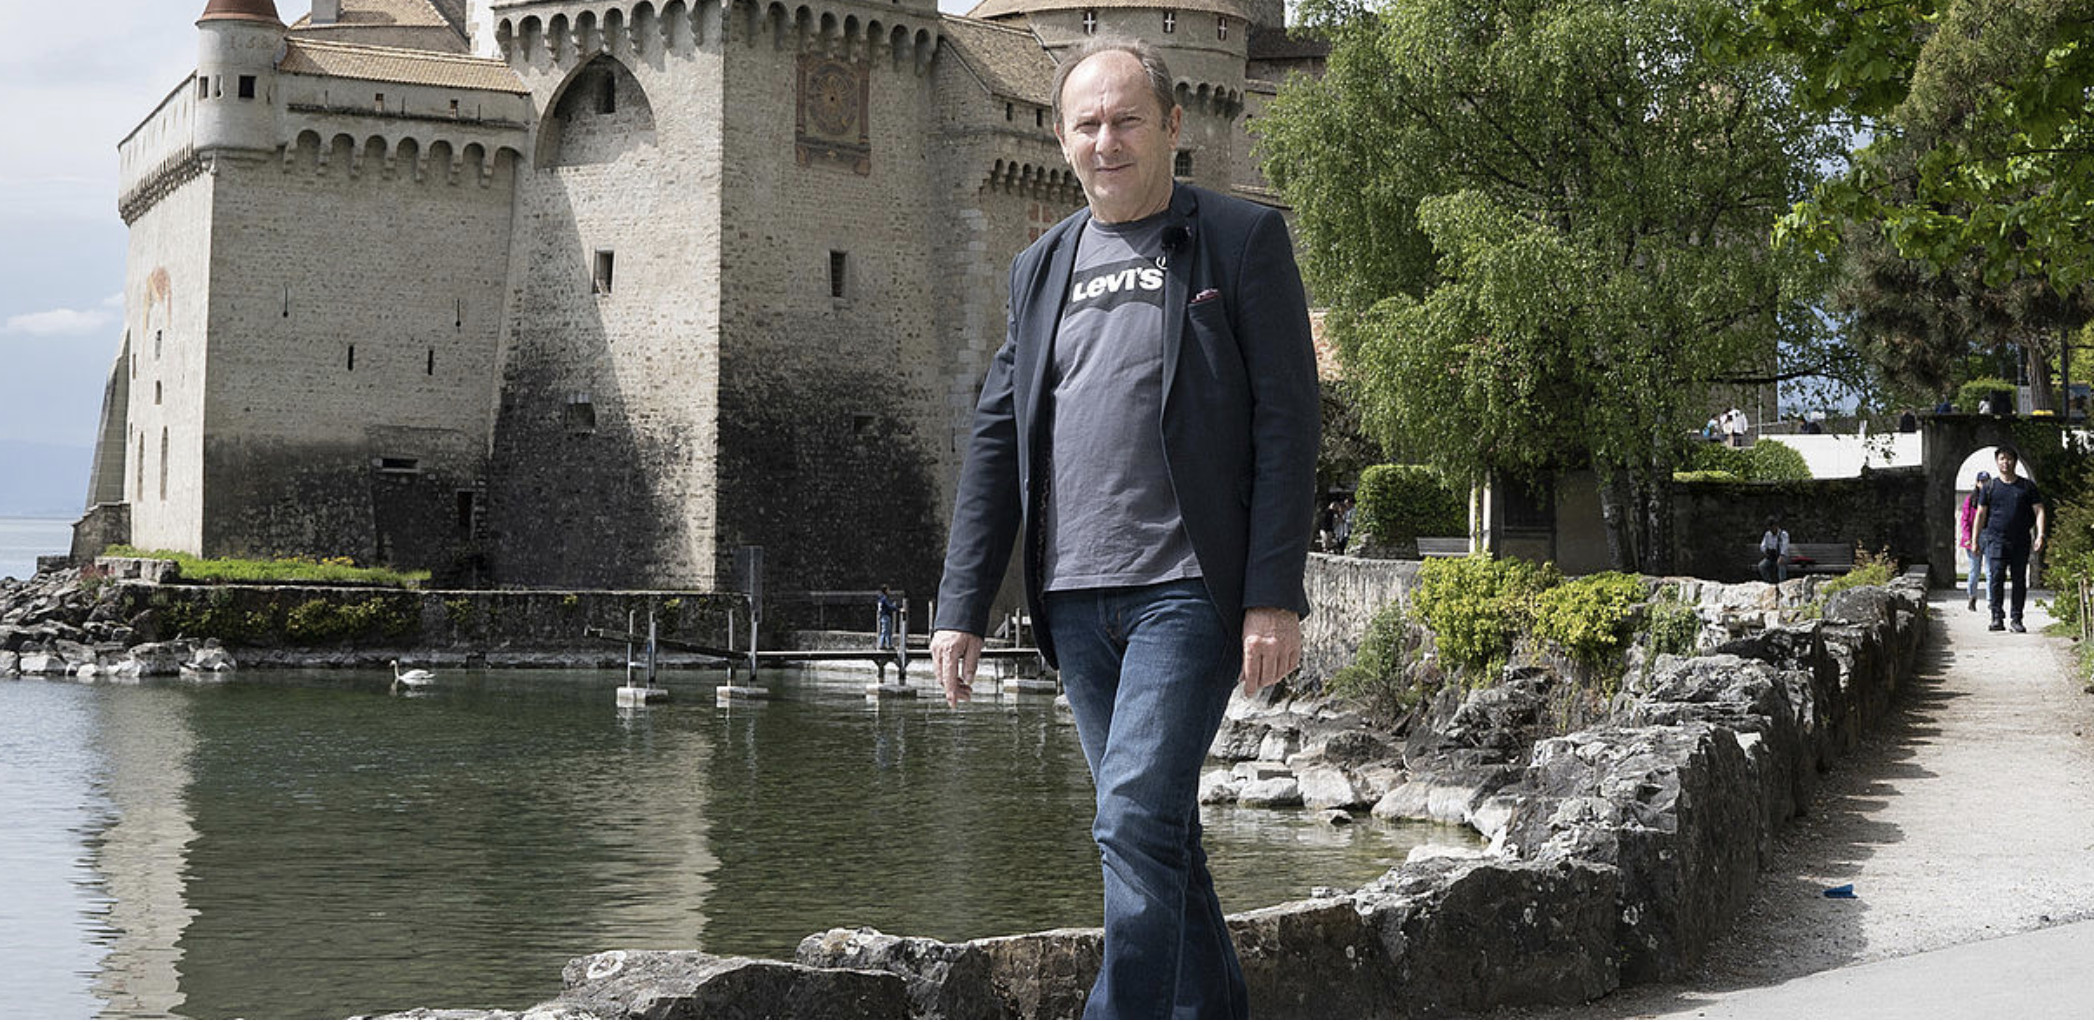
{"x":241,"y":10}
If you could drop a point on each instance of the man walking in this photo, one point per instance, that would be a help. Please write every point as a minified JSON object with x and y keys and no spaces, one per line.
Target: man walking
{"x":1149,"y":429}
{"x":2007,"y":509}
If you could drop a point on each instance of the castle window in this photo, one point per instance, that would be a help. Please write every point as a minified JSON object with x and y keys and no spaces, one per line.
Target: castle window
{"x":156,"y":342}
{"x":467,"y":500}
{"x":163,"y":463}
{"x":1039,"y":118}
{"x":1009,"y":110}
{"x":430,"y":369}
{"x":1170,"y":22}
{"x":246,"y":86}
{"x":607,"y":100}
{"x":156,"y":391}
{"x":400,"y":466}
{"x":454,"y":108}
{"x":606,"y":262}
{"x":138,"y":471}
{"x":1090,"y":22}
{"x":838,"y":265}
{"x":580,"y":415}
{"x":1181,"y":165}
{"x":203,"y":86}
{"x":352,"y":358}
{"x":1221,"y":28}
{"x":378,"y":102}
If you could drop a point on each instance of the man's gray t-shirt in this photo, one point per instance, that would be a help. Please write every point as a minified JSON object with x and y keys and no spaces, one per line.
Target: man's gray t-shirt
{"x":1111,"y":517}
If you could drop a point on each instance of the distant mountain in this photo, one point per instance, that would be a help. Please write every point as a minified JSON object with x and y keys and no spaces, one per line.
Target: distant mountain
{"x":43,"y":480}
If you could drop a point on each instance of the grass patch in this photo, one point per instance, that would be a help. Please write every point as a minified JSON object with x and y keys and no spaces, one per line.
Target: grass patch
{"x":335,"y":570}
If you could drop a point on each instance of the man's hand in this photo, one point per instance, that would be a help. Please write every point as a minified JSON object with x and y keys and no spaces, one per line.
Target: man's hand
{"x":955,"y":655}
{"x":1271,"y":647}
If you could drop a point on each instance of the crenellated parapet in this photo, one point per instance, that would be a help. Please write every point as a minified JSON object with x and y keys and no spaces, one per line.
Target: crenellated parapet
{"x":1222,"y":101}
{"x":419,"y":157}
{"x":1052,"y":181}
{"x":146,"y":191}
{"x":563,"y":33}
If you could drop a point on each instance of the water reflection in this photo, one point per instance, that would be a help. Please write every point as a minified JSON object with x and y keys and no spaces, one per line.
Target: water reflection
{"x":306,"y":844}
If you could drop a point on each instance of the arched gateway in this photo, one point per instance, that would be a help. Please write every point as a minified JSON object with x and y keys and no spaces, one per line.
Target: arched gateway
{"x":1947,"y":440}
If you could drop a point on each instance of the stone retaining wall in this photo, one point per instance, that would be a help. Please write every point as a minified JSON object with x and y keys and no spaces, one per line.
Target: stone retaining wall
{"x":1616,"y":853}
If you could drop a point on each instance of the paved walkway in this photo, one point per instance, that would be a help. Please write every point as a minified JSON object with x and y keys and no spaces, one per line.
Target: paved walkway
{"x":1966,"y":826}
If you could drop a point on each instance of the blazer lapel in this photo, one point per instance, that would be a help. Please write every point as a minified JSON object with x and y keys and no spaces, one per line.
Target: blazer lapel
{"x":1177,"y":280}
{"x":1044,"y":317}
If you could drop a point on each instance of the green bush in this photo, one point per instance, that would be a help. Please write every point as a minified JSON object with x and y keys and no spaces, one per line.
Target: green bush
{"x":1768,"y":461}
{"x":1707,"y":476}
{"x":2068,"y":555}
{"x":1590,"y":617}
{"x":1675,"y":628}
{"x":1399,"y":503}
{"x":1968,"y":395}
{"x":1477,"y":606}
{"x":1869,"y":570}
{"x":1376,"y":675}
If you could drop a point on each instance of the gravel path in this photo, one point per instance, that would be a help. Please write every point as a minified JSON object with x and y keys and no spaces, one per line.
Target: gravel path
{"x":1968,"y":816}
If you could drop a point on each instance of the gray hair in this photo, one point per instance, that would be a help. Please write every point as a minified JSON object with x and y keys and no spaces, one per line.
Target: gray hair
{"x":1159,"y":75}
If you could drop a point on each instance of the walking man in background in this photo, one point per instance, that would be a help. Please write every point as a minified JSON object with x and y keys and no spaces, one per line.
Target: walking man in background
{"x":1149,"y":429}
{"x":2008,"y":508}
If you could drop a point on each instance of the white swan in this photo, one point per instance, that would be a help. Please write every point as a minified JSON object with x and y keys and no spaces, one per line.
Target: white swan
{"x":412,"y":679}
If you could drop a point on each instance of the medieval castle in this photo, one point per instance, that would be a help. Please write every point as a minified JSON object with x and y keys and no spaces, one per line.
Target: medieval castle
{"x":598,"y":292}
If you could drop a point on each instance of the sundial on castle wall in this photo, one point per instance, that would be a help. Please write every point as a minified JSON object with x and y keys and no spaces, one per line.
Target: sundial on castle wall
{"x":831,"y":114}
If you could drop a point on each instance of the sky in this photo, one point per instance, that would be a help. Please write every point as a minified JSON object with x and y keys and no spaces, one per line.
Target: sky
{"x":68,"y":100}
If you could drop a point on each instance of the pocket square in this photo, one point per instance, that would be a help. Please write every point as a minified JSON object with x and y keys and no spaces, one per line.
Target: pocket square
{"x":1206,"y":296}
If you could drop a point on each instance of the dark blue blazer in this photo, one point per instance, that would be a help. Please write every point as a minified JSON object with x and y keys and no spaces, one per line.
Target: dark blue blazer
{"x":1240,"y":415}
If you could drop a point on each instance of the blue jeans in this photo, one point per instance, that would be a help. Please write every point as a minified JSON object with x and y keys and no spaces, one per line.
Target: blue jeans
{"x":1148,"y":671}
{"x":2002,"y":565}
{"x":1977,"y":575}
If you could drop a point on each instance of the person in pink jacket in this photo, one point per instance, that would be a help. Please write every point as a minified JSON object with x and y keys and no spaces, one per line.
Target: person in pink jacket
{"x":1969,"y":542}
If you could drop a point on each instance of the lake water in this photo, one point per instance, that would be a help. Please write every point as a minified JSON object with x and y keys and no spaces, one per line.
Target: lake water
{"x":23,"y":540}
{"x":306,"y":844}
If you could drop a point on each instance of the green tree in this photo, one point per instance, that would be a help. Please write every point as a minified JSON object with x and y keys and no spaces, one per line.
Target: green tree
{"x":1918,"y":324}
{"x":1542,"y":230}
{"x":1979,"y":137}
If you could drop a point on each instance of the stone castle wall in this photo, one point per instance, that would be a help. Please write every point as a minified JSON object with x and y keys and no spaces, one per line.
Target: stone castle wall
{"x":167,"y":296}
{"x":349,"y":398}
{"x":830,"y":427}
{"x":604,"y":464}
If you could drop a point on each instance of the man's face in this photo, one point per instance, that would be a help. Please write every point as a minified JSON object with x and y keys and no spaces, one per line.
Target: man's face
{"x":1116,"y":138}
{"x":2006,"y":464}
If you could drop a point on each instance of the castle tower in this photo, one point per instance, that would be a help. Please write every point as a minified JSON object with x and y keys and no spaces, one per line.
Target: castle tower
{"x":237,"y":49}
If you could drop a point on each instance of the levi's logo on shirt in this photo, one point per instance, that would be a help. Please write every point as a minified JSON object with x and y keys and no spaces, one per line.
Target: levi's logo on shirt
{"x":1114,"y":284}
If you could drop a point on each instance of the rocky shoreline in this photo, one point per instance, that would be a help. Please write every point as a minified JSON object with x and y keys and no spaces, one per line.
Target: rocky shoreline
{"x":1616,"y":852}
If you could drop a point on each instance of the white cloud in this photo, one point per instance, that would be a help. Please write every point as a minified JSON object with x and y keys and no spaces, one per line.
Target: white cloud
{"x":61,"y":322}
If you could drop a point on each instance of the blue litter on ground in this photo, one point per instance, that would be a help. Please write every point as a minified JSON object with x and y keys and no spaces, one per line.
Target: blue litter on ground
{"x":1842,"y":891}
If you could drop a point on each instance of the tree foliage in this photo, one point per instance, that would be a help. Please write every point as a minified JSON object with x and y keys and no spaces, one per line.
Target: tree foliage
{"x":1919,"y":323}
{"x":1980,"y":137}
{"x":1542,"y":228}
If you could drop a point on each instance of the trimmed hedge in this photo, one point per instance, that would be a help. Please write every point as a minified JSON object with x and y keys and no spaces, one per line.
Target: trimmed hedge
{"x":1768,"y":461}
{"x":1399,"y":503}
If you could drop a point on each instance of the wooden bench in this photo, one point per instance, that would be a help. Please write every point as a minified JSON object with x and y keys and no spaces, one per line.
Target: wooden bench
{"x":1443,"y":546}
{"x":1820,"y":558}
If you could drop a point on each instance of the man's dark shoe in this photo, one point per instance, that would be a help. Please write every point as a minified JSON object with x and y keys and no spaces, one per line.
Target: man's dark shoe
{"x":1997,"y":626}
{"x":2016,"y":626}
{"x":1973,"y":603}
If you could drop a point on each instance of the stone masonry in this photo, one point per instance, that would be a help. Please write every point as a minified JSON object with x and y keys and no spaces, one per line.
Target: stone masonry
{"x":595,"y":293}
